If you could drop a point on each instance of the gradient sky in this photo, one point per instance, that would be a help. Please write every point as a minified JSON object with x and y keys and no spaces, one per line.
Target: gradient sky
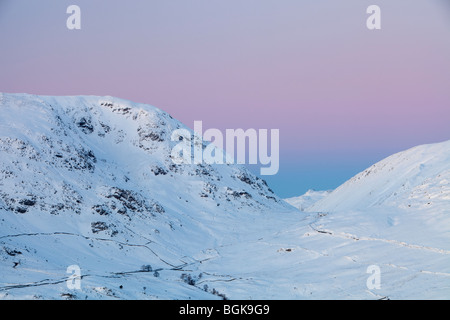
{"x":342,"y":96}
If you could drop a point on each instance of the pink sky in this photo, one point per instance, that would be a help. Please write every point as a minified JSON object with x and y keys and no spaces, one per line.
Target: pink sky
{"x":309,"y":68}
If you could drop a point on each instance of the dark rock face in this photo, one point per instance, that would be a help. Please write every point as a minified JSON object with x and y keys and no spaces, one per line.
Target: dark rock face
{"x":85,"y":125}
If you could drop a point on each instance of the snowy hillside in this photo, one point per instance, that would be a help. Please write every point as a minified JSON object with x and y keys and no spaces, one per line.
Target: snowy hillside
{"x":88,"y":181}
{"x":306,"y":200}
{"x":418,"y":178}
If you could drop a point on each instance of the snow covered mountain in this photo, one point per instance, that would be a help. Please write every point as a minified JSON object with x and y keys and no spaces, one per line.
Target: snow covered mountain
{"x":412,"y":179}
{"x":88,"y":181}
{"x":306,"y":200}
{"x":398,"y":213}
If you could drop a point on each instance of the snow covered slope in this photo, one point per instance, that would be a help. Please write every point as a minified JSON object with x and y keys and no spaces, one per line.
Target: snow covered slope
{"x":416,"y":178}
{"x":88,"y":181}
{"x":306,"y":200}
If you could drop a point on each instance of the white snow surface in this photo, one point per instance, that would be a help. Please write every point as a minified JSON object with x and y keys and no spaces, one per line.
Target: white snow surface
{"x":306,"y":200}
{"x":417,"y":178}
{"x":88,"y":181}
